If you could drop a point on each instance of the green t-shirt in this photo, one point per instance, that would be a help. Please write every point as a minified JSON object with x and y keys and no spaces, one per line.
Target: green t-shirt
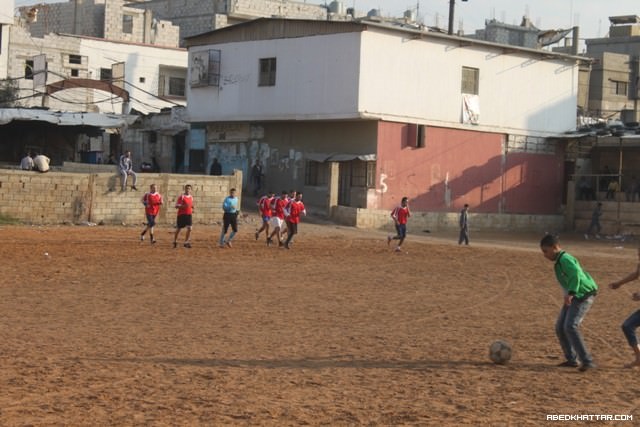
{"x":573,"y":279}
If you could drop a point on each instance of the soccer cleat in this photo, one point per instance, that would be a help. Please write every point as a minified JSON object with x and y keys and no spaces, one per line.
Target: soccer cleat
{"x":187,"y":245}
{"x":257,"y":235}
{"x":228,"y":243}
{"x":142,"y":237}
{"x":389,"y":239}
{"x":175,"y":245}
{"x":280,"y":244}
{"x":133,"y":188}
{"x":398,"y":249}
{"x":286,"y":246}
{"x":153,"y":241}
{"x":269,"y":241}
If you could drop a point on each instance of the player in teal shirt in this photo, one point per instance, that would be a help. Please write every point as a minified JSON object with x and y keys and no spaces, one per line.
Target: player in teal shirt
{"x":229,"y":217}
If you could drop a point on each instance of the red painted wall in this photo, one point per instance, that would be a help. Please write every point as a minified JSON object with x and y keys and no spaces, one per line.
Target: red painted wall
{"x":458,"y":166}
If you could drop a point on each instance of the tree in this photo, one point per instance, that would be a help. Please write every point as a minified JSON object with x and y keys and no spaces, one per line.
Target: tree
{"x":8,"y":93}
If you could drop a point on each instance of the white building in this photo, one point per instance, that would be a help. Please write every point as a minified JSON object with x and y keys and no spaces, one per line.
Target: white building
{"x":6,"y":20}
{"x":154,"y":77}
{"x":361,"y":114}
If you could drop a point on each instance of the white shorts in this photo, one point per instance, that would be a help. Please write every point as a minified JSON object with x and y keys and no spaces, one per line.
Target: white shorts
{"x":276,"y":222}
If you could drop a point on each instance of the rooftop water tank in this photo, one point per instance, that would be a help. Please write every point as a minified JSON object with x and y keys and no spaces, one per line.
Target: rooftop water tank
{"x":373,"y":13}
{"x":336,"y":7}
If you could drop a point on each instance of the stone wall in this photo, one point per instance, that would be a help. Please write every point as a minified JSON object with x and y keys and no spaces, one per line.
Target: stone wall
{"x":438,"y":221}
{"x":66,"y":197}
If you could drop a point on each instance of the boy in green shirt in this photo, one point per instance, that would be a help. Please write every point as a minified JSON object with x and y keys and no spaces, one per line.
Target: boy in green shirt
{"x":579,"y":293}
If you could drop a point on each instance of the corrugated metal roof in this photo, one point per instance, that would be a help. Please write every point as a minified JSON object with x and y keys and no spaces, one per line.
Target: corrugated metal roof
{"x":279,"y":28}
{"x":271,"y":29}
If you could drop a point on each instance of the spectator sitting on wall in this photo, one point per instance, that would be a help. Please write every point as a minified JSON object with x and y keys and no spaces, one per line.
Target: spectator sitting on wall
{"x":41,"y":163}
{"x":632,"y":189}
{"x":26,"y":164}
{"x":612,"y":189}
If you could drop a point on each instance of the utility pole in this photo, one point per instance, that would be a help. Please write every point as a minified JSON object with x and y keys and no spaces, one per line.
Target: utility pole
{"x":452,"y":7}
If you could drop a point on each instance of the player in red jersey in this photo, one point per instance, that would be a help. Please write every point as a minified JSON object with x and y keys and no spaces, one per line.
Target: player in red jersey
{"x":152,"y":202}
{"x":277,"y":219}
{"x":264,"y":207}
{"x":400,"y":216}
{"x":295,"y":209}
{"x":184,"y":204}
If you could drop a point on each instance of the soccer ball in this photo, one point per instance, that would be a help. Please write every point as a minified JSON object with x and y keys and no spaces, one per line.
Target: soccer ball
{"x":500,"y":352}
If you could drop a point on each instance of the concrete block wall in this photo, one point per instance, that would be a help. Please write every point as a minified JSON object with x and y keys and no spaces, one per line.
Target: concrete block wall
{"x":71,"y":17}
{"x":268,"y":8}
{"x":61,"y":197}
{"x":434,"y":221}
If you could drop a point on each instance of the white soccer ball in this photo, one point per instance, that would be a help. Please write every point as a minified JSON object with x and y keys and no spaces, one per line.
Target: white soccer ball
{"x":500,"y":352}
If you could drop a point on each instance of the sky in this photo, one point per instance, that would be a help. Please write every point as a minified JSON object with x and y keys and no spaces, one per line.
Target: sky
{"x":592,"y":16}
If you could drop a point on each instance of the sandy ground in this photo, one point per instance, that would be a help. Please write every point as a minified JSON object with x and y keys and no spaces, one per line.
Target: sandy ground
{"x":106,"y":330}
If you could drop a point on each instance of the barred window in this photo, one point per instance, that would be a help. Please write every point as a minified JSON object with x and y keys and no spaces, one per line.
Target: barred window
{"x":470,"y":80}
{"x":316,"y":173}
{"x":127,"y":24}
{"x":267,"y":72}
{"x":363,"y":174}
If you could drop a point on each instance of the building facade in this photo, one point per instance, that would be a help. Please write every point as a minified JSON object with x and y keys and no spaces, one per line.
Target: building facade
{"x":361,"y":114}
{"x":614,"y":88}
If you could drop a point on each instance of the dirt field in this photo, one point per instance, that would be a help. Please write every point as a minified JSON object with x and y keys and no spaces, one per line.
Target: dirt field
{"x":339,"y":330}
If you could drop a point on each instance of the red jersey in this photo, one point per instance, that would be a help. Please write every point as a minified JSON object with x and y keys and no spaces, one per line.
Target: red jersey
{"x":185,"y":204}
{"x":264,"y":205}
{"x":401,"y":214}
{"x":280,"y":204}
{"x":296,"y":207}
{"x":152,"y":202}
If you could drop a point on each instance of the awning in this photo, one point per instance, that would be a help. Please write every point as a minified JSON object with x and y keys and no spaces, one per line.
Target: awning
{"x":99,"y":120}
{"x":339,"y":157}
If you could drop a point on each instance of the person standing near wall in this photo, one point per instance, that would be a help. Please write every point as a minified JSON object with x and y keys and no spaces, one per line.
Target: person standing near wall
{"x":595,"y":221}
{"x":464,"y":225}
{"x":126,"y":170}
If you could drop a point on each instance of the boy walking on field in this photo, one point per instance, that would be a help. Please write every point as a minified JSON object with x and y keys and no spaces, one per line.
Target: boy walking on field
{"x":184,"y":204}
{"x":400,"y":216}
{"x":631,"y":324}
{"x":152,"y":202}
{"x":579,"y":293}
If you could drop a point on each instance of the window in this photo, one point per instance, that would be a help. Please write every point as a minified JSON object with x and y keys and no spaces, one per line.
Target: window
{"x":267,"y":72}
{"x":316,"y":173}
{"x":74,"y":73}
{"x":420,"y":136}
{"x":105,"y":74}
{"x":127,"y":24}
{"x":176,"y":86}
{"x":618,"y":87}
{"x":363,"y":174}
{"x":470,"y":80}
{"x":142,"y":79}
{"x":28,"y":69}
{"x":75,"y":59}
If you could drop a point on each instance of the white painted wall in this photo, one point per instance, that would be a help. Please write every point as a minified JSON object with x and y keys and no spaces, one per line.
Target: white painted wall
{"x":140,"y":61}
{"x":316,"y":78}
{"x":7,"y":9}
{"x":420,"y":80}
{"x":387,"y":75}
